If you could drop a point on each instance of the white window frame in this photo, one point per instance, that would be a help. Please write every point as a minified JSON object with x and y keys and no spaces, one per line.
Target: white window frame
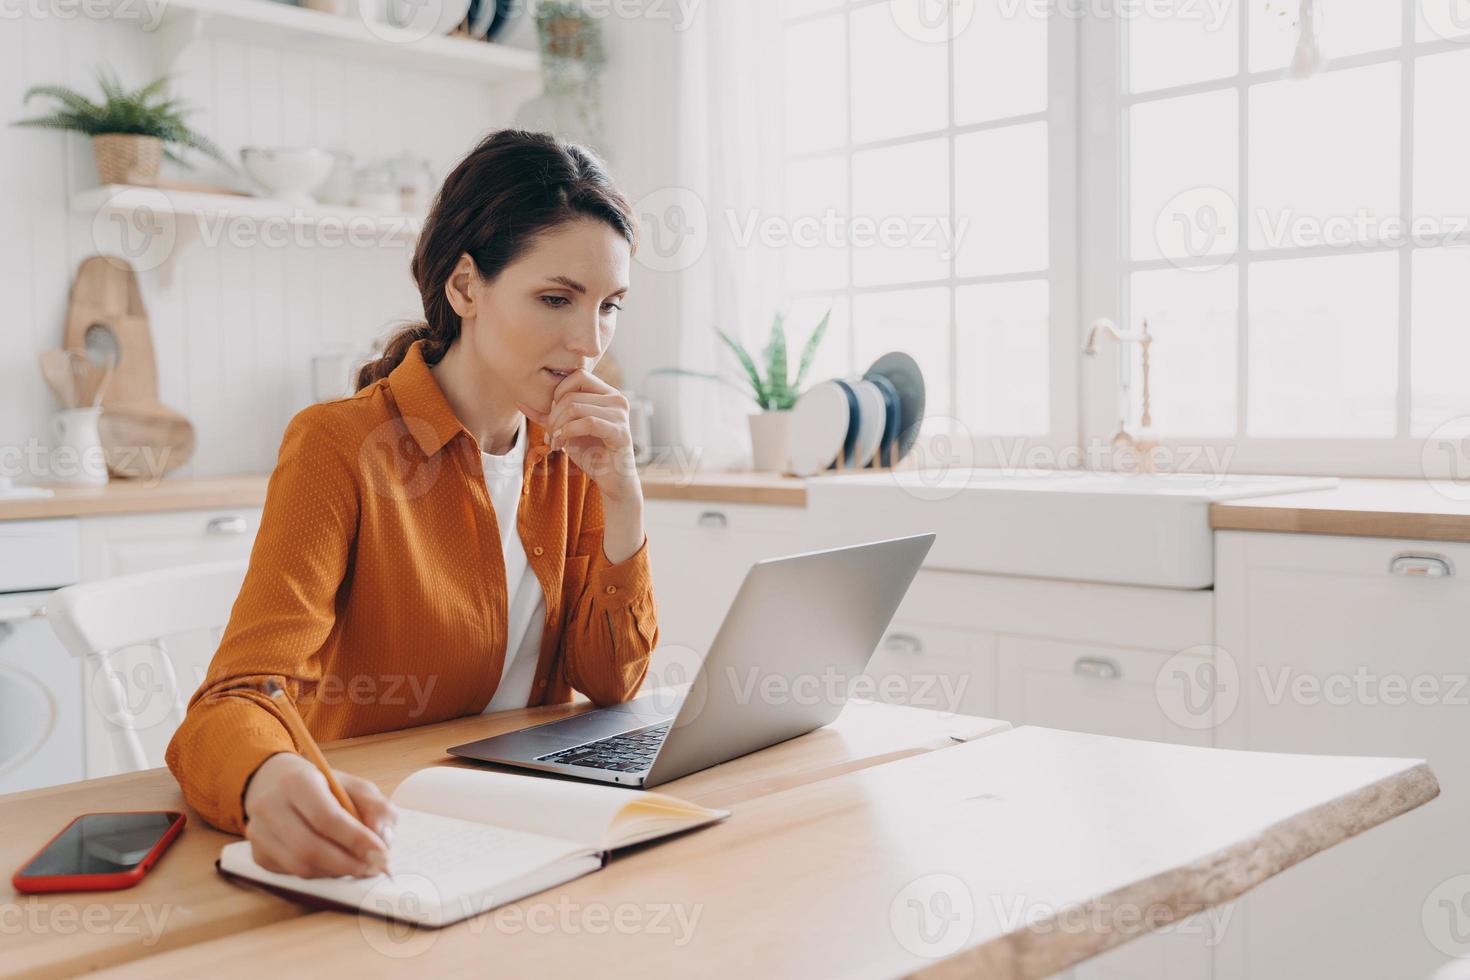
{"x":1106,"y":262}
{"x":939,"y":449}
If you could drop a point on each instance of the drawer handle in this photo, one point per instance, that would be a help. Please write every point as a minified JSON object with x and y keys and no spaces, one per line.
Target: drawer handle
{"x":1099,"y":667}
{"x":234,"y":524}
{"x":1421,"y":566}
{"x":904,"y":643}
{"x":713,"y":518}
{"x":19,"y":614}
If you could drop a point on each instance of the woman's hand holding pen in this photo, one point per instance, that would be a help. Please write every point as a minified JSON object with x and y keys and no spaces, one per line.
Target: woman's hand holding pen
{"x":295,"y":825}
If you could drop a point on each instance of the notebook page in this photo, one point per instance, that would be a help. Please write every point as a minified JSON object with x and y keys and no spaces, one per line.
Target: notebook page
{"x":442,"y":869}
{"x":584,"y":812}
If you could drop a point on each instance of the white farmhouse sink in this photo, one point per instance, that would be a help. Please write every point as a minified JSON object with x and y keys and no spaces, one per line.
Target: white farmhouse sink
{"x":1150,"y":530}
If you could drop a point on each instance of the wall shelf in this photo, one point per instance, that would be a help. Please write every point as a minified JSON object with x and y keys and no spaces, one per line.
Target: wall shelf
{"x":312,"y":31}
{"x":149,"y":226}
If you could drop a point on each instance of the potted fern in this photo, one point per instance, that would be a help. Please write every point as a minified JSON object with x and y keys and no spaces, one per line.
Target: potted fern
{"x":774,"y":392}
{"x":131,"y":131}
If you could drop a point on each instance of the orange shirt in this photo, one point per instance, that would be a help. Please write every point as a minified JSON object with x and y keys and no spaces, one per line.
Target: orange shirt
{"x":376,"y":589}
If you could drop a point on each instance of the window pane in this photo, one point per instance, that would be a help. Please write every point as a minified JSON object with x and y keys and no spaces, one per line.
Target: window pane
{"x":834,"y":355}
{"x":1183,"y":176}
{"x":1192,"y":316}
{"x":898,"y":81}
{"x":816,"y":80}
{"x":1001,"y":204}
{"x":1324,"y":346}
{"x":900,"y":203}
{"x":1441,"y":138}
{"x":1443,"y":19}
{"x":911,"y":320}
{"x":1324,"y":157}
{"x":1002,"y":348}
{"x":1000,"y":62}
{"x":1344,"y":27}
{"x":816,"y":213}
{"x":1441,"y":342}
{"x":1181,"y":43}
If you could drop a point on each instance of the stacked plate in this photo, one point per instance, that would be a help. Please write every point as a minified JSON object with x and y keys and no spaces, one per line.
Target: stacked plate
{"x":858,"y":422}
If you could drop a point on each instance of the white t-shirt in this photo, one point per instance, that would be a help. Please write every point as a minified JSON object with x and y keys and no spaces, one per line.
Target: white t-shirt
{"x":527,"y":605}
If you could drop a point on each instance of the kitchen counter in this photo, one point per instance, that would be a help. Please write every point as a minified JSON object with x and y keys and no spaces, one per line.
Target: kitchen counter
{"x":1416,"y":509}
{"x":207,"y":493}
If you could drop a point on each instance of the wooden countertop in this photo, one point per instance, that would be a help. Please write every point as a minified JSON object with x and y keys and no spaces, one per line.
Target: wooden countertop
{"x":1416,"y":509}
{"x":139,"y":497}
{"x":999,"y":843}
{"x":184,"y":901}
{"x":210,"y":493}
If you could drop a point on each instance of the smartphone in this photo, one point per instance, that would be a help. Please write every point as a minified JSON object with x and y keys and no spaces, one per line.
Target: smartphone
{"x":100,"y":852}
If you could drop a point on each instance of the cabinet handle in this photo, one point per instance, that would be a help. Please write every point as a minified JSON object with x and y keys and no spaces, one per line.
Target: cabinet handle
{"x":19,"y":614}
{"x":1099,"y":667}
{"x":905,"y":643}
{"x":1421,"y":566}
{"x":234,"y":524}
{"x":713,"y":518}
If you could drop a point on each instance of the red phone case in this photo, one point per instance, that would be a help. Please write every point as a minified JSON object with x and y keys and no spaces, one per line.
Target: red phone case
{"x":103,"y":882}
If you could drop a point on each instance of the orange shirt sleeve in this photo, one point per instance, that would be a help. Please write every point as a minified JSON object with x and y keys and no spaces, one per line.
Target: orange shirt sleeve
{"x":613,"y":623}
{"x":284,"y":613}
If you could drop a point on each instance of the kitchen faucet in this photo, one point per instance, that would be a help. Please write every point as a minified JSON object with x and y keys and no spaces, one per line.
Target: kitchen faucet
{"x":1142,"y":444}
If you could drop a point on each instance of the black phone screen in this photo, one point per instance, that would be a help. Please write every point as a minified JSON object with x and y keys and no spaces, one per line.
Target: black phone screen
{"x":101,"y":843}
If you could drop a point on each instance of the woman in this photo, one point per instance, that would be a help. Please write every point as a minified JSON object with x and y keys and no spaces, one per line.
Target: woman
{"x":463,"y":534}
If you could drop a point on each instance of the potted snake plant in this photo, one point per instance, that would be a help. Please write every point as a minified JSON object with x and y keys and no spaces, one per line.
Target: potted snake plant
{"x":131,"y":131}
{"x":773,"y":390}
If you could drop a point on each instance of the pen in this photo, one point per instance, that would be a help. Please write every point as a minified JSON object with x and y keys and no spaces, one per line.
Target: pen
{"x":309,"y":748}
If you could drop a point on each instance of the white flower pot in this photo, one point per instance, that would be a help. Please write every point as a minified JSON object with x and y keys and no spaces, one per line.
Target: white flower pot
{"x":768,"y":441}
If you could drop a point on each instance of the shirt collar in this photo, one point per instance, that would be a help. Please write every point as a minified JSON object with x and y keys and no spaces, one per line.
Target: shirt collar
{"x":430,"y":418}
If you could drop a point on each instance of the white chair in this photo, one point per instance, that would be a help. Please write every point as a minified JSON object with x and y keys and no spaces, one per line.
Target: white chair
{"x":97,"y":620}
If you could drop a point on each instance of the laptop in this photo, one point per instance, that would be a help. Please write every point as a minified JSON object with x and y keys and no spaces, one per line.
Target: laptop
{"x":798,"y":635}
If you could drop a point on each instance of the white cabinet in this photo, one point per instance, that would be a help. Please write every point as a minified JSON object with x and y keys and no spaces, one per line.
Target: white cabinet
{"x":124,"y":544}
{"x":1352,"y":646}
{"x":1098,"y":688}
{"x":700,"y":553}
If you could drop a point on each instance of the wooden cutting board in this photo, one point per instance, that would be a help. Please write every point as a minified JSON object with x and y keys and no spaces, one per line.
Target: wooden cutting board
{"x":141,"y":437}
{"x":106,"y":293}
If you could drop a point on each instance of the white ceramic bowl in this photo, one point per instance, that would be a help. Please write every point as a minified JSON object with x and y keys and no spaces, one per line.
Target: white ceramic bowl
{"x":288,"y":173}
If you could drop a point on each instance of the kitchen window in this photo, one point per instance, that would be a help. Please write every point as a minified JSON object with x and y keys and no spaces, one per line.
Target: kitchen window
{"x":1288,"y":241}
{"x":976,"y":278}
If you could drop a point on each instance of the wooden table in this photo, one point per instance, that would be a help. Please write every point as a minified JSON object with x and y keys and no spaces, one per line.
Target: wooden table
{"x":853,"y":851}
{"x":184,"y":901}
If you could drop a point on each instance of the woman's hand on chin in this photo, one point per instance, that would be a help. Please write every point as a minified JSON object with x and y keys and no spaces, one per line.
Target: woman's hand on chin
{"x":588,"y":420}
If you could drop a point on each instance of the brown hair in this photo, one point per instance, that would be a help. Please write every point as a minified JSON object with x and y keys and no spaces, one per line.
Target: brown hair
{"x":512,"y":187}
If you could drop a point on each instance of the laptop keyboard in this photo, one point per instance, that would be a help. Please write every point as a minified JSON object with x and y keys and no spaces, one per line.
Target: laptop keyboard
{"x":628,"y":752}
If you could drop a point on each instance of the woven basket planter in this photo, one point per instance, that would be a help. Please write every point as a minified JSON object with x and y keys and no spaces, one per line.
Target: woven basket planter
{"x":127,"y":158}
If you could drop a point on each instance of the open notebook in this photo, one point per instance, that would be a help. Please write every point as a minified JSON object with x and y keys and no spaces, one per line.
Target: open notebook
{"x":468,"y":840}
